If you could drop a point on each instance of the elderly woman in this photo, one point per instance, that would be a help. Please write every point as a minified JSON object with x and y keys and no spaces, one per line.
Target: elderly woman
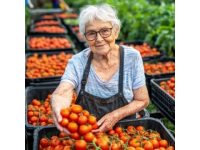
{"x":108,"y":79}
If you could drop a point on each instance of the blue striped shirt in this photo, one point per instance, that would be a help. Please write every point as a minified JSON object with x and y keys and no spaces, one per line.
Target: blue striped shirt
{"x":133,"y":78}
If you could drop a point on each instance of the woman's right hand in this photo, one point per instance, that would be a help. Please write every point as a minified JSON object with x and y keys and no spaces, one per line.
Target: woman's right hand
{"x":61,"y":98}
{"x":58,"y":118}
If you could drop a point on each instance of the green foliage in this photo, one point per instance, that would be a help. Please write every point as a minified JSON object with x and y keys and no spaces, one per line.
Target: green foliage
{"x":152,"y":21}
{"x":27,"y":19}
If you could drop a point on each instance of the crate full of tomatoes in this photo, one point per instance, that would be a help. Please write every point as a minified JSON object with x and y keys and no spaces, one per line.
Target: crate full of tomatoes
{"x":44,"y":67}
{"x":139,"y":134}
{"x":40,"y":43}
{"x":163,"y":96}
{"x":158,"y":68}
{"x":147,"y":51}
{"x":38,"y":109}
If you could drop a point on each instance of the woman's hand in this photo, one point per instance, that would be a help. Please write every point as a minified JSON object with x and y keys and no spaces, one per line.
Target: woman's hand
{"x":107,"y":122}
{"x":61,"y":98}
{"x":56,"y":108}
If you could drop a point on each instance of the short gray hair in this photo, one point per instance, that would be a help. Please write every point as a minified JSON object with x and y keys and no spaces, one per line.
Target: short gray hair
{"x":103,"y":12}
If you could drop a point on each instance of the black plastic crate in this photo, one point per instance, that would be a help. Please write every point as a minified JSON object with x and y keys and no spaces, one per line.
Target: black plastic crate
{"x":144,"y":113}
{"x":139,"y":42}
{"x":32,"y":32}
{"x":49,"y":50}
{"x":157,"y":76}
{"x":162,"y":100}
{"x":36,"y":92}
{"x":43,"y":79}
{"x":40,"y":19}
{"x":148,"y":123}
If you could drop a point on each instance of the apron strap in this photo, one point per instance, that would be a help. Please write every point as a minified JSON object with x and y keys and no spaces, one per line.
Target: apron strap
{"x":121,"y":71}
{"x":86,"y":72}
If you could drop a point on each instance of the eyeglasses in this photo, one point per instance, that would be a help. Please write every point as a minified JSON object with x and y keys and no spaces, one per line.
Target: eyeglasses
{"x":92,"y":35}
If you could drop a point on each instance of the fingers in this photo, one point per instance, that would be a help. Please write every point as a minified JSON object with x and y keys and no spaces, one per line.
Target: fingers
{"x":58,"y":118}
{"x":103,"y":125}
{"x":58,"y":115}
{"x":99,"y":123}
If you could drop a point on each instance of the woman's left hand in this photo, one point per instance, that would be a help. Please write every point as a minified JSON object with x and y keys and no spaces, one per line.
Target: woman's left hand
{"x":107,"y":122}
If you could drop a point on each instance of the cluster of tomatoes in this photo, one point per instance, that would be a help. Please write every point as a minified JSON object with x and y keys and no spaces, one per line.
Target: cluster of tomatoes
{"x":39,"y":112}
{"x":75,"y":28}
{"x":81,"y":123}
{"x":48,"y":17}
{"x":78,"y":121}
{"x":49,"y":29}
{"x":159,"y":67}
{"x":144,"y":49}
{"x":64,"y":15}
{"x":169,"y":86}
{"x":46,"y":22}
{"x":46,"y":66}
{"x":49,"y":43}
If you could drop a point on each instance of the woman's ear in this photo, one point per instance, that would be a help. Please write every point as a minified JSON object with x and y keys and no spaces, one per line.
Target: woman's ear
{"x":116,"y":29}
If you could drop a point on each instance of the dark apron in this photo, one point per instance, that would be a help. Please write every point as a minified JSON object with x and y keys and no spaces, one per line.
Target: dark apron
{"x":101,"y":106}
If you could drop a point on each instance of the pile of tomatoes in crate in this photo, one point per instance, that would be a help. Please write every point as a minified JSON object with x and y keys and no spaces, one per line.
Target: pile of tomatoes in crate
{"x":46,"y":22}
{"x":81,"y":123}
{"x":49,"y":29}
{"x":169,"y":86}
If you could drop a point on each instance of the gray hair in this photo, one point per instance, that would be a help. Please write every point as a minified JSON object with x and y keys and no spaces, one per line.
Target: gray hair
{"x":103,"y":12}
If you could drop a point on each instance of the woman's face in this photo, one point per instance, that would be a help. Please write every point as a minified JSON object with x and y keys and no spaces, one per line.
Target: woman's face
{"x":100,"y":45}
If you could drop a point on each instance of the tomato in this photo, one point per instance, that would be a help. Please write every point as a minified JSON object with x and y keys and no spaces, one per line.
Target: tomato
{"x":44,"y":142}
{"x":92,"y":120}
{"x":124,"y":138}
{"x":59,"y":147}
{"x":30,"y":114}
{"x":54,"y":137}
{"x":49,"y":148}
{"x":148,"y":145}
{"x":73,"y":117}
{"x":89,"y":127}
{"x":64,"y":122}
{"x":55,"y":142}
{"x":94,"y":126}
{"x":80,"y":145}
{"x":72,"y":127}
{"x":118,"y":130}
{"x":155,"y":143}
{"x":134,"y":143}
{"x":88,"y":137}
{"x":34,"y":119}
{"x":102,"y":144}
{"x":86,"y":113}
{"x":64,"y":113}
{"x":130,"y":148}
{"x":76,"y":109}
{"x":114,"y":146}
{"x":111,"y":132}
{"x":139,"y":148}
{"x":64,"y":142}
{"x":139,"y":128}
{"x":67,"y":148}
{"x":62,"y":135}
{"x":43,"y":123}
{"x":43,"y":118}
{"x":163,"y":143}
{"x":75,"y":136}
{"x":83,"y":129}
{"x":170,"y":148}
{"x":82,"y":120}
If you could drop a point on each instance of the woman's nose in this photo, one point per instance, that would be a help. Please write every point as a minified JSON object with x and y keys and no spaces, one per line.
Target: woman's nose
{"x":99,"y":37}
